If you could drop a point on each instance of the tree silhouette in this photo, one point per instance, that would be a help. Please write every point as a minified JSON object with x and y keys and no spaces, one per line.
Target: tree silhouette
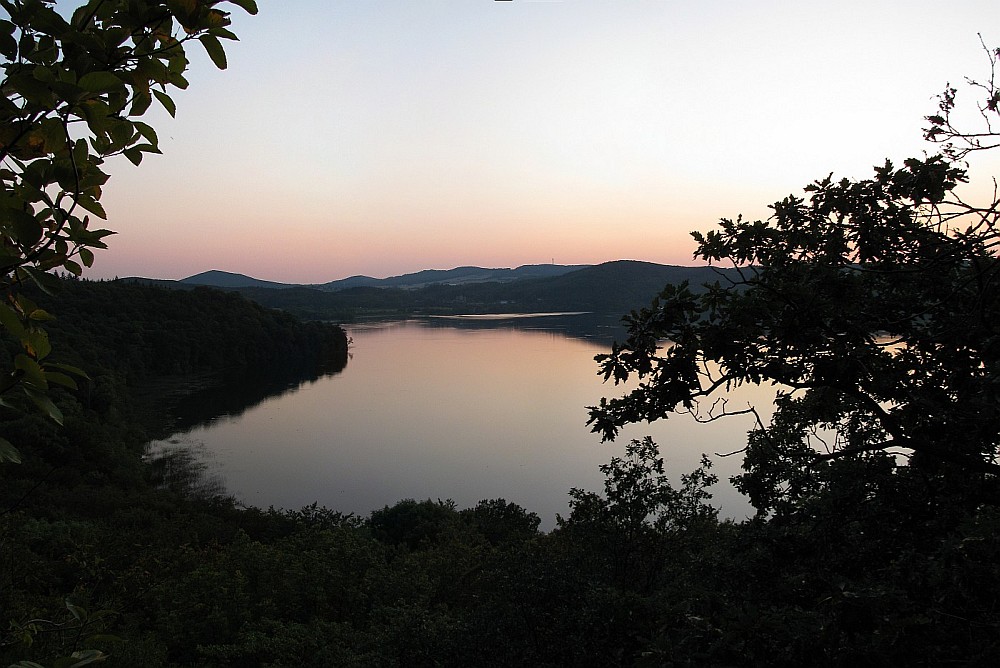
{"x":871,"y":305}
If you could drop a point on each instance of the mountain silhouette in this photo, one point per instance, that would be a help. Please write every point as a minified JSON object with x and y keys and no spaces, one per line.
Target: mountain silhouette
{"x":612,"y":287}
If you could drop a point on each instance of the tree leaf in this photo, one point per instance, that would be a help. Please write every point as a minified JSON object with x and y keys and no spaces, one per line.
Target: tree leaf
{"x":140,"y":103}
{"x":100,"y":82}
{"x":215,"y":51}
{"x":134,"y":156}
{"x":11,"y":322}
{"x":32,"y":373}
{"x":46,"y":20}
{"x":40,"y":315}
{"x":79,"y":614}
{"x":8,"y":453}
{"x":250,"y":6}
{"x":147,"y":132}
{"x":68,"y":369}
{"x":225,"y":33}
{"x":167,"y":103}
{"x":27,"y":231}
{"x":8,"y":46}
{"x":56,"y":378}
{"x":92,"y":205}
{"x":38,"y":343}
{"x":43,"y":402}
{"x":44,"y":280}
{"x":183,"y":8}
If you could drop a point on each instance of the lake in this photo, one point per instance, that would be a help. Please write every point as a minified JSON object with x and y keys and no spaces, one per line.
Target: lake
{"x":463,"y":409}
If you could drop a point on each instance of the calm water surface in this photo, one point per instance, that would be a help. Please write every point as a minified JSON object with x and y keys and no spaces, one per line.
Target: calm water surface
{"x":435,"y":410}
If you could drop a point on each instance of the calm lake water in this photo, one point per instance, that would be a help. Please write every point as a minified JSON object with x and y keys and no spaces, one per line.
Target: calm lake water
{"x":445,"y":409}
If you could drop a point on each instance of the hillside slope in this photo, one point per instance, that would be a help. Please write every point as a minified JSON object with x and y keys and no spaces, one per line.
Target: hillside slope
{"x":416,"y":280}
{"x":612,"y":287}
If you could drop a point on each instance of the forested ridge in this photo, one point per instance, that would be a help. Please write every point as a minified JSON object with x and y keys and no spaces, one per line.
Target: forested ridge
{"x":156,"y":332}
{"x":611,"y":287}
{"x":101,"y":551}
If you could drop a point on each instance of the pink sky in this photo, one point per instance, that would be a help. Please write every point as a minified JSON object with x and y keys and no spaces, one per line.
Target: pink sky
{"x":385,"y":137}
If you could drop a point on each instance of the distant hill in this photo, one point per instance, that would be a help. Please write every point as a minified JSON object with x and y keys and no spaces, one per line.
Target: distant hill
{"x":420,"y":279}
{"x":618,"y":286}
{"x":613,"y":287}
{"x":456,"y":276}
{"x":225,"y":279}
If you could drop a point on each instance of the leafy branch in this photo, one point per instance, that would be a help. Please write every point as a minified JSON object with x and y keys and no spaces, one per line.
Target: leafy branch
{"x":73,"y":93}
{"x":869,"y":304}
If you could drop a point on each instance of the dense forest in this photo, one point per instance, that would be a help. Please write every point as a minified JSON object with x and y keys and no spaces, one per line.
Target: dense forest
{"x":103,"y":552}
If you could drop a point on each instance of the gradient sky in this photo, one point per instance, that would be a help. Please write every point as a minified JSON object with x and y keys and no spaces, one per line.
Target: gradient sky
{"x":381,"y":137}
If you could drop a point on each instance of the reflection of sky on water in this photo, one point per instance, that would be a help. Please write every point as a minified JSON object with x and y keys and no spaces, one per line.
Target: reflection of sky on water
{"x":442,"y":412}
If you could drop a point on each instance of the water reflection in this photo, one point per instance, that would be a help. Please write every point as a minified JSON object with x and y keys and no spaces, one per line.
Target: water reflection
{"x":435,"y":409}
{"x":184,"y":467}
{"x":232,"y":396}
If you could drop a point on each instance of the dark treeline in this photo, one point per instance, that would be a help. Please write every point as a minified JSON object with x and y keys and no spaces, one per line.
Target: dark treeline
{"x":140,"y":344}
{"x":156,"y":332}
{"x":101,"y":551}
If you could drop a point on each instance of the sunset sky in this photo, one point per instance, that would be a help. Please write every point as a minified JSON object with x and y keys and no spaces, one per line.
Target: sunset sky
{"x":381,"y":137}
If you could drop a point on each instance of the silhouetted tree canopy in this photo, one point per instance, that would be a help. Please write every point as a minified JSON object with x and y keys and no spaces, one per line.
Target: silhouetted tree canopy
{"x":872,"y":307}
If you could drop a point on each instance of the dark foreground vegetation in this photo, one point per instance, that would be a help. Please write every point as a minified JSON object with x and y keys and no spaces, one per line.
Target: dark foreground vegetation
{"x":103,"y":552}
